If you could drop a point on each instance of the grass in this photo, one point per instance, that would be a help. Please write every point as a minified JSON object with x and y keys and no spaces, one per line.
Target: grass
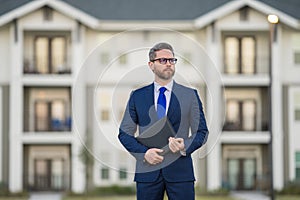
{"x":133,"y":198}
{"x":288,"y":197}
{"x":281,"y":197}
{"x":213,"y":197}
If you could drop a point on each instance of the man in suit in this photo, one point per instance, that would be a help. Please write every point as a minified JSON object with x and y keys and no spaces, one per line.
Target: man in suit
{"x":171,"y":172}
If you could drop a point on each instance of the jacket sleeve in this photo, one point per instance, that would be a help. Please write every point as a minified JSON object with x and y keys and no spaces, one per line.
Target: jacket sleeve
{"x":199,"y":131}
{"x":128,"y":128}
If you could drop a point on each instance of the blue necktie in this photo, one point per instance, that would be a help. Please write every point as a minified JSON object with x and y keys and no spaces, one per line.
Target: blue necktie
{"x":161,"y":103}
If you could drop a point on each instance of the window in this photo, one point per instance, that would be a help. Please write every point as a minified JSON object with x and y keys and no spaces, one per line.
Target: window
{"x":297,"y":163}
{"x":47,"y":13}
{"x":105,"y":115}
{"x":104,"y":173}
{"x":187,"y":58}
{"x":297,"y":57}
{"x":240,"y":55}
{"x":240,"y":115}
{"x":104,"y":58}
{"x":297,"y":114}
{"x":47,"y":109}
{"x":123,"y":174}
{"x":51,"y":116}
{"x":123,"y":59}
{"x":50,"y":54}
{"x":297,"y":106}
{"x":244,"y":13}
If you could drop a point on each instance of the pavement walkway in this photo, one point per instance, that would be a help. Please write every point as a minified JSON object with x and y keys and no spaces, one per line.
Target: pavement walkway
{"x":45,"y":196}
{"x":249,"y":195}
{"x":239,"y":195}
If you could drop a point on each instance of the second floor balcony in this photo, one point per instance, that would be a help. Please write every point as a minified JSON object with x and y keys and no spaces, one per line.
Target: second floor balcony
{"x":245,"y":53}
{"x":47,"y":52}
{"x":47,"y":109}
{"x":246,"y":109}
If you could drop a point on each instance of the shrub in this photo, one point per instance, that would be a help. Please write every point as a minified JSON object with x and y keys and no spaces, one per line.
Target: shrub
{"x":3,"y":189}
{"x":291,"y":188}
{"x":107,"y":191}
{"x":114,"y":190}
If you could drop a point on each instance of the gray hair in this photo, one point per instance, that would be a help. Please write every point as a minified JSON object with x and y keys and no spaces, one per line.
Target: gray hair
{"x":158,"y":47}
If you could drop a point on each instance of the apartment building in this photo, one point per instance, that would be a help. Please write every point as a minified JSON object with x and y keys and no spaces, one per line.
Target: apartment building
{"x":67,"y":68}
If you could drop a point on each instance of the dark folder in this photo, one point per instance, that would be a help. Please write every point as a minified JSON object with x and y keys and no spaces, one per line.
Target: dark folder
{"x":157,"y":135}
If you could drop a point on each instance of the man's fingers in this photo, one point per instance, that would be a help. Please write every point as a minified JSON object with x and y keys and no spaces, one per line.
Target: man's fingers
{"x":152,"y":156}
{"x":158,"y":150}
{"x":176,"y":144}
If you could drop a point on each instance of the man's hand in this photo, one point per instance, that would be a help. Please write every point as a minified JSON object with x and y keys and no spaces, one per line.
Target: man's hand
{"x":152,"y":156}
{"x":176,"y":144}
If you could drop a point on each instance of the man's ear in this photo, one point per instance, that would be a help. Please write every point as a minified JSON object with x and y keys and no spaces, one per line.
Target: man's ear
{"x":150,"y":64}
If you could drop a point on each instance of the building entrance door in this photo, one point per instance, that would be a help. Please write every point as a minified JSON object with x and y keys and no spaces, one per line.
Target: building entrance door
{"x":242,"y":173}
{"x":48,"y":174}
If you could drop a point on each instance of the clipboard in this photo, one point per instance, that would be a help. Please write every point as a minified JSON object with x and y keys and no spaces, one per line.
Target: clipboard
{"x":157,"y":135}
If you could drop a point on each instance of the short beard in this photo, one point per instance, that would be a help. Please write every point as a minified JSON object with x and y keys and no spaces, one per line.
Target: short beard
{"x":165,"y":76}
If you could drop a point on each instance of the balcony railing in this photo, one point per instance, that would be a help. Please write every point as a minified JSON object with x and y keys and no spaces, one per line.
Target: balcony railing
{"x":30,"y":68}
{"x":44,"y":182}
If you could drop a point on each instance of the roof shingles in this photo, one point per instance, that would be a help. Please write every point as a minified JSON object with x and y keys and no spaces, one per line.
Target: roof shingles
{"x":153,"y":10}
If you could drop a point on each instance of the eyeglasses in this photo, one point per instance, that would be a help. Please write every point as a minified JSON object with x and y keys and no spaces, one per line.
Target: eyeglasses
{"x":164,"y":61}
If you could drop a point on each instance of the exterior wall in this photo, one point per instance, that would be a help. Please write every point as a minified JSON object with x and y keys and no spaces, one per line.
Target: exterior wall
{"x":1,"y":137}
{"x":5,"y":54}
{"x":34,"y":22}
{"x":294,"y":127}
{"x":290,"y":44}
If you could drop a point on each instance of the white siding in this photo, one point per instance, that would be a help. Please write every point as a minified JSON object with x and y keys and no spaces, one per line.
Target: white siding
{"x":5,"y":64}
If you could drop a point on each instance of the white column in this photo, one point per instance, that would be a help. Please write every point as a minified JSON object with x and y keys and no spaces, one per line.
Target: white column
{"x":214,"y":121}
{"x":15,"y":112}
{"x":79,"y":111}
{"x":1,"y":134}
{"x":277,"y":113}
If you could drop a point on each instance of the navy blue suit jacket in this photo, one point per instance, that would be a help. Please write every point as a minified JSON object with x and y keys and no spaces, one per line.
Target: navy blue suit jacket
{"x":186,"y":115}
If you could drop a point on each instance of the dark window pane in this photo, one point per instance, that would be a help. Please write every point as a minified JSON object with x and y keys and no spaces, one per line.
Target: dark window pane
{"x":105,"y":173}
{"x":123,"y":174}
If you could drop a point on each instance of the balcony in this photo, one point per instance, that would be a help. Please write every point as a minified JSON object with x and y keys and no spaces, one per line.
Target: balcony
{"x":47,"y":109}
{"x":246,"y":110}
{"x":47,"y":52}
{"x":246,"y":54}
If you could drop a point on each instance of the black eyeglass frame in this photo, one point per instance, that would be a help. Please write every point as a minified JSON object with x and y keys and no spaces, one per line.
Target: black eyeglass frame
{"x":164,"y":61}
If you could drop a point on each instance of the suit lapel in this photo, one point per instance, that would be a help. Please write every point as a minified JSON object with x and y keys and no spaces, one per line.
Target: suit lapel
{"x":148,"y":102}
{"x":174,"y":106}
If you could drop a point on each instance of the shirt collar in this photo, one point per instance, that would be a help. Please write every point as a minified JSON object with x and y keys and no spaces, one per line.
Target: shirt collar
{"x":168,"y":86}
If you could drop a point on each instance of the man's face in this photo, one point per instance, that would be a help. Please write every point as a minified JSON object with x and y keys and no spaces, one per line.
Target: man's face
{"x":163,"y":71}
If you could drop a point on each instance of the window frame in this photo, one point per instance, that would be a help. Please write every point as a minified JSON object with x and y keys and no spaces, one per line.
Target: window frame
{"x":241,"y":113}
{"x":49,"y":117}
{"x":50,"y":38}
{"x":240,"y":53}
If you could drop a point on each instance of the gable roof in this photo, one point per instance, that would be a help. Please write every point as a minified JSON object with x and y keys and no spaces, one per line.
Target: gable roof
{"x":146,"y":9}
{"x":290,"y":7}
{"x":91,"y":12}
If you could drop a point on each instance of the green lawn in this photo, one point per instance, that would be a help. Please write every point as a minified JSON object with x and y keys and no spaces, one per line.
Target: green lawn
{"x":198,"y":198}
{"x":13,"y":198}
{"x":288,"y":198}
{"x":133,"y":198}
